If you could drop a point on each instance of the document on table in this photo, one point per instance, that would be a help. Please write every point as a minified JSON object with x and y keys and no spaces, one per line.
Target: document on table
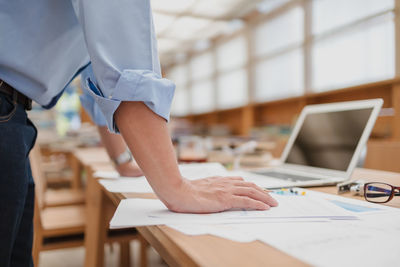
{"x":118,"y":184}
{"x":370,"y":241}
{"x":141,"y":212}
{"x":127,"y":185}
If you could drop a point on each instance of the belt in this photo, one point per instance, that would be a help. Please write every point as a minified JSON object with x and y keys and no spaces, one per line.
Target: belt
{"x":20,"y":98}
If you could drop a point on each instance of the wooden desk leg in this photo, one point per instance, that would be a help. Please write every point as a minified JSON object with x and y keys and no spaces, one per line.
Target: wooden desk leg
{"x":143,"y":251}
{"x":125,"y":255}
{"x":96,"y":224}
{"x":77,"y":168}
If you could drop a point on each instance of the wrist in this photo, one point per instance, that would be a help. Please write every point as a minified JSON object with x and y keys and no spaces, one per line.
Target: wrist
{"x":123,"y":158}
{"x":178,"y":194}
{"x":122,"y":167}
{"x":129,"y":169}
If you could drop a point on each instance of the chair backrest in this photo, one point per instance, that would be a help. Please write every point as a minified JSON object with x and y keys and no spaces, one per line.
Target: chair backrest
{"x":35,"y":158}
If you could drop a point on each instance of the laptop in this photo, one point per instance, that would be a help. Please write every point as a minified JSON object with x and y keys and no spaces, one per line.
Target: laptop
{"x":324,"y":147}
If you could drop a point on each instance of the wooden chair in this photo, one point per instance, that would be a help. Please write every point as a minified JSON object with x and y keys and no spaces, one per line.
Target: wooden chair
{"x":58,"y":166}
{"x":63,"y":226}
{"x":54,"y":197}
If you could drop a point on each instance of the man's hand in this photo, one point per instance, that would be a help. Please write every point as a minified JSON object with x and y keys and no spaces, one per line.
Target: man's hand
{"x":129,"y":169}
{"x":147,"y":136}
{"x":216,"y":194}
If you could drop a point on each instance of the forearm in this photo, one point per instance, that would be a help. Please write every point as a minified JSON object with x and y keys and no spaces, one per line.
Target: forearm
{"x":114,"y":143}
{"x":147,"y":136}
{"x":115,"y":146}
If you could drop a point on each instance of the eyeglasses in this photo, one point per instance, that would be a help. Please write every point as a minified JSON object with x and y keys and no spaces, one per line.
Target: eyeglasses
{"x":380,"y":192}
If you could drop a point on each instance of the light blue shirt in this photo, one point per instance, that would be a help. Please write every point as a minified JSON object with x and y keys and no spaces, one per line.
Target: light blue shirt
{"x":44,"y":44}
{"x":88,"y":101}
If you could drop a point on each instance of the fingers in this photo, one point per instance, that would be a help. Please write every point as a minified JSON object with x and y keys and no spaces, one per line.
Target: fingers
{"x":249,"y":184}
{"x":266,"y":197}
{"x":241,"y":202}
{"x":228,"y":178}
{"x":256,"y":194}
{"x":248,"y":189}
{"x":235,"y":178}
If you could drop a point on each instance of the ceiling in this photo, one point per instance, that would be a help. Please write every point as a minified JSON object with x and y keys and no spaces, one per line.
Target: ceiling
{"x":188,"y":25}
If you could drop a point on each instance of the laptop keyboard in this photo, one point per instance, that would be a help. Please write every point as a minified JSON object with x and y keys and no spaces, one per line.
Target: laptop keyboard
{"x":288,"y":177}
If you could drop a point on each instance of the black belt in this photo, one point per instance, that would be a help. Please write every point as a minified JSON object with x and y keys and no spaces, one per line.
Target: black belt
{"x":20,"y":98}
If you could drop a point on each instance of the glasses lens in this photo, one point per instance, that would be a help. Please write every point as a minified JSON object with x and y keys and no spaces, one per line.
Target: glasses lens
{"x":378,"y":192}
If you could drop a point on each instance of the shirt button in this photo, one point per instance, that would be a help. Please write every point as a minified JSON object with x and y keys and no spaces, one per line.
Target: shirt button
{"x":110,"y":97}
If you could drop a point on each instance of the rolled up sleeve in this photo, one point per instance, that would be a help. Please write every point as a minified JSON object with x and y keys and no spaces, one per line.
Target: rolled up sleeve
{"x":122,"y":46}
{"x":87,"y":100}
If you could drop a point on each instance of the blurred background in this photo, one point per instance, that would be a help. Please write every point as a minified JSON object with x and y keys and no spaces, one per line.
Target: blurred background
{"x":243,"y":70}
{"x":246,"y":68}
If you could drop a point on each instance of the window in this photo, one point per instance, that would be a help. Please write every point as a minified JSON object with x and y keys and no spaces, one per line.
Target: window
{"x":281,"y":32}
{"x":202,"y":97}
{"x":180,"y":103}
{"x":354,"y":57}
{"x":202,"y":66}
{"x":232,"y":84}
{"x":232,"y":89}
{"x":347,"y":43}
{"x":179,"y":75}
{"x":232,"y":54}
{"x":278,"y":54}
{"x":279,"y":77}
{"x":354,"y":43}
{"x":331,"y":14}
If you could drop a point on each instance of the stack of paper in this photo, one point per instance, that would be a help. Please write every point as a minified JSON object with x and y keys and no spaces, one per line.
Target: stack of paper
{"x":364,"y":242}
{"x":140,"y":212}
{"x":318,"y":228}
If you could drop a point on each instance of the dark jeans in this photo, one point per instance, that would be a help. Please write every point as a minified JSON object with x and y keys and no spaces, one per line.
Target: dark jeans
{"x":17,"y":136}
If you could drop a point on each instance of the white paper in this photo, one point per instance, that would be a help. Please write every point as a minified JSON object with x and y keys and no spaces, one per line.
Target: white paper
{"x":350,"y":243}
{"x":119,"y":184}
{"x":372,"y":240}
{"x":107,"y":175}
{"x":367,"y":242}
{"x":141,"y":212}
{"x":127,"y":185}
{"x":233,"y":231}
{"x":189,"y":171}
{"x":299,"y":227}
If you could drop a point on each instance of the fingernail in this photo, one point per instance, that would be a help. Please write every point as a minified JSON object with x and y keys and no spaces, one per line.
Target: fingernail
{"x":274,"y":203}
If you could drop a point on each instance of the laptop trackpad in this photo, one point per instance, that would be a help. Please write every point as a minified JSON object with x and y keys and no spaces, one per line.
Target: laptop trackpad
{"x":288,"y":176}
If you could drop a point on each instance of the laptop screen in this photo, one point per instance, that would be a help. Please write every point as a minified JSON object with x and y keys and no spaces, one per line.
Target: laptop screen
{"x":328,"y":140}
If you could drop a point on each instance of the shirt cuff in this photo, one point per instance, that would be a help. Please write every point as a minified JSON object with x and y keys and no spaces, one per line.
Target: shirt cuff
{"x":135,"y":85}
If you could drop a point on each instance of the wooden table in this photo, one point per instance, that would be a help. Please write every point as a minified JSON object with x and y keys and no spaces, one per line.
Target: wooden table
{"x":82,"y":158}
{"x":178,"y":249}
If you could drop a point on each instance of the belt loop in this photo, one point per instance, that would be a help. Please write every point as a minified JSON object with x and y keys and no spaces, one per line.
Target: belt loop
{"x":15,"y":97}
{"x":29,"y":104}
